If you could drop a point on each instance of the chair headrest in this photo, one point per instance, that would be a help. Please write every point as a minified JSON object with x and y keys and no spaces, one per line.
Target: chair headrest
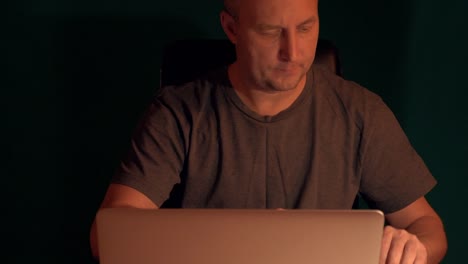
{"x":186,"y":59}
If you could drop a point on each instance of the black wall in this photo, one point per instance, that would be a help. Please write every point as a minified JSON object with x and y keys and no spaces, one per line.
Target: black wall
{"x":79,"y":74}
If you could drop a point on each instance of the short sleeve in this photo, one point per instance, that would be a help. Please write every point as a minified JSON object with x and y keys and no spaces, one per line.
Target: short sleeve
{"x":156,"y":155}
{"x":393,"y":175}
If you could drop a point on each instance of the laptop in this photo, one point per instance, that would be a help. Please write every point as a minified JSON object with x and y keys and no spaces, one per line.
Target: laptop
{"x":238,"y":236}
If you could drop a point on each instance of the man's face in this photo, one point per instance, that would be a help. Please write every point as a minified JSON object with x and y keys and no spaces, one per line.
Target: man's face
{"x":276,"y":41}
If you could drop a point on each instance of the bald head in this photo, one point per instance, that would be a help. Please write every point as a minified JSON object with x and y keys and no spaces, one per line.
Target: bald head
{"x":233,"y":6}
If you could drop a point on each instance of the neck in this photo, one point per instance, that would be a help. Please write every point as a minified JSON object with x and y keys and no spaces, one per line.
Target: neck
{"x":262,"y":101}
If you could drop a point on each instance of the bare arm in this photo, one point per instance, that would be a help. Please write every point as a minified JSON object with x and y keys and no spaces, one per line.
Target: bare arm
{"x":416,"y":235}
{"x":118,"y":195}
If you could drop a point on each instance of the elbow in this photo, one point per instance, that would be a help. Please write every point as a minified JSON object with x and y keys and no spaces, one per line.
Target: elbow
{"x":439,"y":249}
{"x":93,"y":242}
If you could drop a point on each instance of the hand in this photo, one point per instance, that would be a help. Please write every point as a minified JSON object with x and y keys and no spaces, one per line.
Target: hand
{"x":400,"y":246}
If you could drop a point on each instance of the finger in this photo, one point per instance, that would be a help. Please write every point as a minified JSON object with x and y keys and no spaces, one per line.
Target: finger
{"x":410,"y":251}
{"x":385,"y":245}
{"x":397,"y":246}
{"x":421,"y":258}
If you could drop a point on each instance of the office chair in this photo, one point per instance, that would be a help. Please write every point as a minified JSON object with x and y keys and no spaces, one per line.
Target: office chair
{"x":185,"y":59}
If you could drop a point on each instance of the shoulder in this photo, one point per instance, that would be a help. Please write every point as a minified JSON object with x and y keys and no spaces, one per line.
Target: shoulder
{"x":186,"y":103}
{"x":346,"y":91}
{"x":347,"y":98}
{"x":196,"y":92}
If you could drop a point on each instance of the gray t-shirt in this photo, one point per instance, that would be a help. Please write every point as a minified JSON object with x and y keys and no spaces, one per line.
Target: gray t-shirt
{"x":336,"y":140}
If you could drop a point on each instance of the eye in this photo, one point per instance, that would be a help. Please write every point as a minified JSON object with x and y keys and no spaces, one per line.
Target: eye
{"x":304,"y":29}
{"x":270,"y":32}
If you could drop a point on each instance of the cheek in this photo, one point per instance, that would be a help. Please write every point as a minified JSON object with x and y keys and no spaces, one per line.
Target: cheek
{"x":261,"y":48}
{"x":263,"y":54}
{"x":259,"y":56}
{"x":307,"y":48}
{"x":308,"y":52}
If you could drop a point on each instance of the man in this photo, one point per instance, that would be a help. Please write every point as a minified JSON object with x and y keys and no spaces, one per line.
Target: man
{"x":270,"y":131}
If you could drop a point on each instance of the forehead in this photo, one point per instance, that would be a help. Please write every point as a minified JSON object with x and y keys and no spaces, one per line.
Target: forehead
{"x":277,"y":11}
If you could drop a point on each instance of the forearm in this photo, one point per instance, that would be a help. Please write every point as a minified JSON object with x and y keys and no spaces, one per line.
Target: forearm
{"x":430,"y":231}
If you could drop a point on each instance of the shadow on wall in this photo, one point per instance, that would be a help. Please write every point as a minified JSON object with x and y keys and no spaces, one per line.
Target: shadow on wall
{"x":373,"y":38}
{"x":110,"y":71}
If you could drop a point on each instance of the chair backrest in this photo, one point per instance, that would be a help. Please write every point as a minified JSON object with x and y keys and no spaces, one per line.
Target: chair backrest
{"x":184,"y":60}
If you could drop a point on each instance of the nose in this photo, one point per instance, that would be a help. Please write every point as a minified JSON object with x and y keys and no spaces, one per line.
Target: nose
{"x":288,"y":47}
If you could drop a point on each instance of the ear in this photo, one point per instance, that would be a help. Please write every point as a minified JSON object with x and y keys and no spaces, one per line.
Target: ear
{"x":229,"y":25}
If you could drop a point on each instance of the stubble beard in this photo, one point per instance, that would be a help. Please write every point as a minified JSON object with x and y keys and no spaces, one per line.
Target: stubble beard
{"x":278,"y":83}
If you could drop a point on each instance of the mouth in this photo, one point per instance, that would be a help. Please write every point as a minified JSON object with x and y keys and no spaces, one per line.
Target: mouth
{"x":288,"y":69}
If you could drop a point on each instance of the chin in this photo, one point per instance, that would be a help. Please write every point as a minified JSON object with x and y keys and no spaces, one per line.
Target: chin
{"x":282,"y":86}
{"x":285,"y":83}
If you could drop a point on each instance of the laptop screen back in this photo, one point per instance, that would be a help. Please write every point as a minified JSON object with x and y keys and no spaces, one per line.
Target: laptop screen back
{"x":238,"y":236}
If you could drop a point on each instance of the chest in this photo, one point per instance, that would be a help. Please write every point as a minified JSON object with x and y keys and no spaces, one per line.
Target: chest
{"x":234,"y":161}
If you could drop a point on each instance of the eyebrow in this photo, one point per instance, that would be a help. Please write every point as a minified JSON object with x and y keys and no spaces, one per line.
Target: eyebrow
{"x":308,"y":21}
{"x":267,"y":27}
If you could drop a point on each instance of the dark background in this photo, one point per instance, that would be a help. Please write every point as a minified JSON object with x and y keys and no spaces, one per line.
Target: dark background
{"x":80,"y":73}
